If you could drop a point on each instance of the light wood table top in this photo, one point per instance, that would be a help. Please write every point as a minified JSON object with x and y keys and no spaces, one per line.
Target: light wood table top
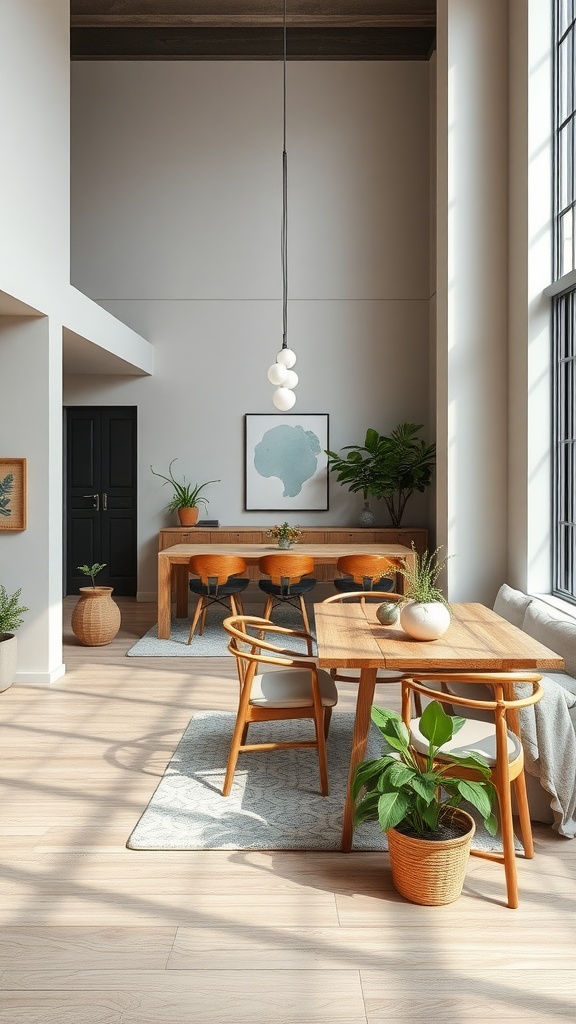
{"x":350,"y":636}
{"x":178,"y":555}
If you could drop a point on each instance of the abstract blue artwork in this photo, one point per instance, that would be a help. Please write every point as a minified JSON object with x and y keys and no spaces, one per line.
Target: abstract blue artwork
{"x":286,"y":462}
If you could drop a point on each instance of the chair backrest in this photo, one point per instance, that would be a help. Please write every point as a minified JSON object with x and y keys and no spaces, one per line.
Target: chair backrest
{"x":364,"y":595}
{"x":250,"y":649}
{"x":367,"y":569}
{"x":216,"y":568}
{"x":502,"y":702}
{"x":286,"y":568}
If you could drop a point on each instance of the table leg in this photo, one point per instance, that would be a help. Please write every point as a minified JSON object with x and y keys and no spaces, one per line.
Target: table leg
{"x":181,"y":574}
{"x":364,"y":703}
{"x":164,"y":597}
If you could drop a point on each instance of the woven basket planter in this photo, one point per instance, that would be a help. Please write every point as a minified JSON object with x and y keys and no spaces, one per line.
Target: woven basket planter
{"x":96,"y":618}
{"x":427,"y":871}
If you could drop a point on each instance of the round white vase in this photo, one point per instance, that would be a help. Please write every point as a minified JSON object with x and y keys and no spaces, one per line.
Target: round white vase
{"x":426,"y":621}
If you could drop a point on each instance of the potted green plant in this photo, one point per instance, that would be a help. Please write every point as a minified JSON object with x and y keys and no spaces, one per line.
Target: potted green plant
{"x":285,"y":534}
{"x":416,"y":800}
{"x":187,"y":497}
{"x":425,"y":612}
{"x":11,"y":612}
{"x":96,"y":617}
{"x":390,"y":466}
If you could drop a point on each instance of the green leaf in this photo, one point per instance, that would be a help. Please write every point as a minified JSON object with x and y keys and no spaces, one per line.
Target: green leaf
{"x":368,"y":771}
{"x":367,"y":809}
{"x":427,"y":788}
{"x":400,"y":774}
{"x":435,"y":725}
{"x":392,"y":809}
{"x":476,"y":794}
{"x":392,"y":728}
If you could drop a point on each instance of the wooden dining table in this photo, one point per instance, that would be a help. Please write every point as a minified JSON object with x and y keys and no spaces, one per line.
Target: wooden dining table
{"x":349,"y":635}
{"x":173,"y":567}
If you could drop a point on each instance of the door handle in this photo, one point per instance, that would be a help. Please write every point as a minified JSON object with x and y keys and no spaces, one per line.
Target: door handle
{"x":105,"y":501}
{"x":95,"y":499}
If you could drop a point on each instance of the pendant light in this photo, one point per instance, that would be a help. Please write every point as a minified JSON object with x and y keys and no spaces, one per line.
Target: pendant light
{"x":281,"y":373}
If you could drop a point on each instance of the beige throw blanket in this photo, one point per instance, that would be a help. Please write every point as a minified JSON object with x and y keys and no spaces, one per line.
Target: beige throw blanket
{"x":549,"y":742}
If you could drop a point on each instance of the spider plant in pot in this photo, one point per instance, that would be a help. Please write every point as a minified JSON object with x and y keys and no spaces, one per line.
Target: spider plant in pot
{"x":187,"y":497}
{"x":416,"y":799}
{"x":96,"y":617}
{"x":425,"y":613}
{"x":11,"y":612}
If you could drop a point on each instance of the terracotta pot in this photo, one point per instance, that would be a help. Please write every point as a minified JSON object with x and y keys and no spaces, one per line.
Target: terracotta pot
{"x":425,"y":620}
{"x":96,"y":618}
{"x":431,"y":872}
{"x":7,"y":660}
{"x":188,"y":516}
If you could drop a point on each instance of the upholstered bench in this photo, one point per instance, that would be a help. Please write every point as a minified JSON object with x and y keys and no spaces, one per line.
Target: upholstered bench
{"x":548,"y":728}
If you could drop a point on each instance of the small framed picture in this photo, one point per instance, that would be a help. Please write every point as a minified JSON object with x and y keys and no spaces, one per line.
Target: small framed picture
{"x":12,"y":494}
{"x":286,"y":462}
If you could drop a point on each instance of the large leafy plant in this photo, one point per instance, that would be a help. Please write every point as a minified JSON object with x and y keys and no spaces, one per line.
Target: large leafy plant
{"x":185,"y":495}
{"x":390,"y":466}
{"x":404,"y":789}
{"x":10,"y":610}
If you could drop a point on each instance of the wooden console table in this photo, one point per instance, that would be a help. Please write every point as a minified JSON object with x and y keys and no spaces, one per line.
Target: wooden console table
{"x":310,"y":535}
{"x":173,"y":566}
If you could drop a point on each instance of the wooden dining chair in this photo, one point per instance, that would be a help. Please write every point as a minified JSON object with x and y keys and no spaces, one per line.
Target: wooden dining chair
{"x":492,"y":729}
{"x":289,"y":580}
{"x":218,"y":582}
{"x":276,"y":683}
{"x":365,"y":572}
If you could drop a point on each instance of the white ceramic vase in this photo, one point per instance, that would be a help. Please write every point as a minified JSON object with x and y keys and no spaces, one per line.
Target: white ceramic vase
{"x":424,"y":621}
{"x":7,"y":660}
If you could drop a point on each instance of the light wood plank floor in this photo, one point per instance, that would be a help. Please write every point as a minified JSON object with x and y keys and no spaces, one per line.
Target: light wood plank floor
{"x":93,"y":933}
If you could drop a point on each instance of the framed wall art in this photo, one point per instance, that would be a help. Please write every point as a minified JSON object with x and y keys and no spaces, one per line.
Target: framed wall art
{"x":286,"y":462}
{"x":12,"y":494}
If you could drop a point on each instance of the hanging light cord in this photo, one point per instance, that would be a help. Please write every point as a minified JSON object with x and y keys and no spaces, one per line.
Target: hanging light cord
{"x":284,"y":229}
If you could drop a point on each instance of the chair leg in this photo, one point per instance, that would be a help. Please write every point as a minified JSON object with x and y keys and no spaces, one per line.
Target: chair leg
{"x":507,"y":830}
{"x":203,"y":619}
{"x":197,"y":611}
{"x":237,"y":739}
{"x":304,"y":614}
{"x":268,"y":607}
{"x":322,"y":755}
{"x":327,"y":720}
{"x":524,"y":815}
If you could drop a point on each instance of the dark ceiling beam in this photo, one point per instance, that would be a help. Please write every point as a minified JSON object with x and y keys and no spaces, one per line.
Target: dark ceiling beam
{"x":114,"y":21}
{"x":250,"y":44}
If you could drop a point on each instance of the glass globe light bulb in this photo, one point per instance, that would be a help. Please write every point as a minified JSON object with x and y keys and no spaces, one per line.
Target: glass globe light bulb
{"x":283,"y":399}
{"x":286,"y":356}
{"x":277,"y":373}
{"x":290,"y":380}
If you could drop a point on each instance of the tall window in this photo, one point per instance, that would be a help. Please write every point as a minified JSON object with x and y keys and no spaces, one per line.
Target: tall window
{"x":564,"y":576}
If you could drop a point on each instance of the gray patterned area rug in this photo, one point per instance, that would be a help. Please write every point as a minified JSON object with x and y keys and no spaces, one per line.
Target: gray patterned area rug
{"x":212,"y":644}
{"x":275,"y":803}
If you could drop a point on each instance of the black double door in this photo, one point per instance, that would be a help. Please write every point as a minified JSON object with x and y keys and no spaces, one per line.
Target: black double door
{"x":100,"y":502}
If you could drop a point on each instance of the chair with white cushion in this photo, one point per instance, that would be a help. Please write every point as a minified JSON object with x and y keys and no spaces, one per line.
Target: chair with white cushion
{"x":495,"y":736}
{"x":277,"y":682}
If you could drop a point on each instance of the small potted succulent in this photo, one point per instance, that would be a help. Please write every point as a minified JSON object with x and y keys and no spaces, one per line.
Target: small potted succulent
{"x":96,"y":618}
{"x":285,"y":534}
{"x":416,"y":800}
{"x":11,"y":612}
{"x":425,"y":612}
{"x":187,"y":497}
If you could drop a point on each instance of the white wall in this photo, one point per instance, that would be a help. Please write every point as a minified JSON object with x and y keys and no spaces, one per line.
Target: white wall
{"x":176,"y":201}
{"x":34,"y":278}
{"x":472,"y":306}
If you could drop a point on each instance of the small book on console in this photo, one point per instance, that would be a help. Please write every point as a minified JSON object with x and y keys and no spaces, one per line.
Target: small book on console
{"x":208,"y":522}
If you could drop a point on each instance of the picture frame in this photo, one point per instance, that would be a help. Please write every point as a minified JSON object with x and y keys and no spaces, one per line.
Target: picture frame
{"x":286,"y":464}
{"x":12,"y":494}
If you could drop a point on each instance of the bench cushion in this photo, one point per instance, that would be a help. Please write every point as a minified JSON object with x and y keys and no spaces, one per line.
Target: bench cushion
{"x":557,"y":634}
{"x":511,"y":604}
